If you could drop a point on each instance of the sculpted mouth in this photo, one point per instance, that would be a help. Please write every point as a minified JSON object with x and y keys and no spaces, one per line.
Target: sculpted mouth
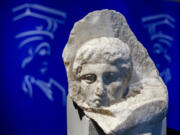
{"x":97,"y":98}
{"x":97,"y":101}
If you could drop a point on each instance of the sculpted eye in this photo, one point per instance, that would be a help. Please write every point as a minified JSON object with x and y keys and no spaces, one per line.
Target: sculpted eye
{"x":89,"y":78}
{"x":109,"y":77}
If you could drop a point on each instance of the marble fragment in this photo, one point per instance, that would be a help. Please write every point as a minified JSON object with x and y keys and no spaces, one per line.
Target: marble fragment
{"x":111,"y":76}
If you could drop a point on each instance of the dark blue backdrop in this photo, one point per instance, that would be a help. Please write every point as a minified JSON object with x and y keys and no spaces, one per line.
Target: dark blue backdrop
{"x":33,"y":77}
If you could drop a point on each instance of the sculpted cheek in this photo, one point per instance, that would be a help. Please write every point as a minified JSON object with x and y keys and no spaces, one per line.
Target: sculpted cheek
{"x":87,"y":88}
{"x":114,"y":89}
{"x":84,"y":86}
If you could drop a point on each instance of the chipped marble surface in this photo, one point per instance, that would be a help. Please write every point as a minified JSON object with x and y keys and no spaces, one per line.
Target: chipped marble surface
{"x":111,"y":76}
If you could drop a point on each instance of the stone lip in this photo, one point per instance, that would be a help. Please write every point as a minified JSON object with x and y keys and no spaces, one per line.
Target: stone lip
{"x":149,"y":105}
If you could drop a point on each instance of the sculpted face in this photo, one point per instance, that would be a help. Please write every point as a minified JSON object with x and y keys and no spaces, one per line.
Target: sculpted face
{"x":103,"y":68}
{"x":104,"y":84}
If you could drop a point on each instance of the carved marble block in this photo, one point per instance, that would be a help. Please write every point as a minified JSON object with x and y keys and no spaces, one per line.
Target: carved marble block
{"x":113,"y":83}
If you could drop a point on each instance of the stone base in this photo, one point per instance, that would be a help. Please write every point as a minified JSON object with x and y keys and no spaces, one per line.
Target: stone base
{"x":79,"y":124}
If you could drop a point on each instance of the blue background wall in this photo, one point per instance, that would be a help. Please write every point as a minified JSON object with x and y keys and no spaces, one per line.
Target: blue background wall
{"x":33,"y":77}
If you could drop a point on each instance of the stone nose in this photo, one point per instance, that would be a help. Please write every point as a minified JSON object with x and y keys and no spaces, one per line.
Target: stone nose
{"x":100,"y":89}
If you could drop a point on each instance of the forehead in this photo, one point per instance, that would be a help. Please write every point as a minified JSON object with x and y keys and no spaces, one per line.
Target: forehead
{"x":102,"y":49}
{"x":98,"y":68}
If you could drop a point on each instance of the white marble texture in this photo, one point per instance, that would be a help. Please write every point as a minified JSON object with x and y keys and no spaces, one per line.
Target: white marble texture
{"x":111,"y":76}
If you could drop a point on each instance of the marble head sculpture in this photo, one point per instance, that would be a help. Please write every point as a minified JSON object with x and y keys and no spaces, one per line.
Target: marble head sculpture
{"x":111,"y":76}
